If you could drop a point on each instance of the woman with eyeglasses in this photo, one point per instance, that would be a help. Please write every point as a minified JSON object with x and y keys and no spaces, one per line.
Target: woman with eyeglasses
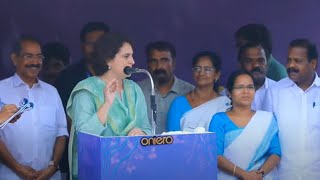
{"x":247,"y":141}
{"x":196,"y":108}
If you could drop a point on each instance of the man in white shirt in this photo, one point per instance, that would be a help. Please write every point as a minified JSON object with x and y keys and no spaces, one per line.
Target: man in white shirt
{"x":253,"y":59}
{"x":295,"y":102}
{"x":32,"y":147}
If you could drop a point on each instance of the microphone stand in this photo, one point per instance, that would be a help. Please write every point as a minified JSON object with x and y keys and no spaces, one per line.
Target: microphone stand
{"x":129,"y":70}
{"x":152,"y":103}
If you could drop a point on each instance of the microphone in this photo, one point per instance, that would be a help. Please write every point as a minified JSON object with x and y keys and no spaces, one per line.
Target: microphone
{"x":129,"y":70}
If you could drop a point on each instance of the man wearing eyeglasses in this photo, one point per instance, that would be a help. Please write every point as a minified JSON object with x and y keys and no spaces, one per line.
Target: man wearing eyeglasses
{"x":32,"y":147}
{"x":161,"y":62}
{"x":252,"y":58}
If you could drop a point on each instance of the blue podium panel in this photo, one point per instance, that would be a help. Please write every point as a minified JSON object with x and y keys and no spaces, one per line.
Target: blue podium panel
{"x":163,"y":157}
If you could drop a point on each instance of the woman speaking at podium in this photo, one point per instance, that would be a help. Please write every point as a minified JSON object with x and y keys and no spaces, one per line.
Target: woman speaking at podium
{"x":247,"y":141}
{"x":107,"y":104}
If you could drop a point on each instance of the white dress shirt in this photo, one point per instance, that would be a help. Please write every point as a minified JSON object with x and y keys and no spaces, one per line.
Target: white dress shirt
{"x":31,"y":139}
{"x":298,"y":115}
{"x":260,"y":94}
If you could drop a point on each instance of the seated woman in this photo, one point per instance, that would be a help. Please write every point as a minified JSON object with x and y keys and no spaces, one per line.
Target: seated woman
{"x":247,"y":141}
{"x":107,"y":104}
{"x":195,"y":109}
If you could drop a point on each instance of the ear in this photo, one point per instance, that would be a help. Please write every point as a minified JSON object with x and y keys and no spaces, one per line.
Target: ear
{"x":314,"y":63}
{"x":14,"y":59}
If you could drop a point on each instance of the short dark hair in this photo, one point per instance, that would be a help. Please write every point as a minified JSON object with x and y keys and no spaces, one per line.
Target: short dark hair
{"x":257,"y":33}
{"x":93,"y":26}
{"x":105,"y":49}
{"x":248,"y":45}
{"x":305,"y":43}
{"x":234,"y":75}
{"x":161,"y":46}
{"x":56,"y":50}
{"x":17,"y":46}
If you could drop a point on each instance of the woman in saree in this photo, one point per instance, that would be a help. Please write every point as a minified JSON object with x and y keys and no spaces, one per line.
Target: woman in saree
{"x":107,"y":104}
{"x":247,"y":141}
{"x":195,"y":109}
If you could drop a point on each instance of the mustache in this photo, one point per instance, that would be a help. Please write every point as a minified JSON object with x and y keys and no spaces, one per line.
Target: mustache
{"x":33,"y":66}
{"x":292,"y":70}
{"x":159,"y":72}
{"x":257,"y":69}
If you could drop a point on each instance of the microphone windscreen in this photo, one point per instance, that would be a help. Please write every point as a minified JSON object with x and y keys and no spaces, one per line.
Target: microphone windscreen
{"x":129,"y":70}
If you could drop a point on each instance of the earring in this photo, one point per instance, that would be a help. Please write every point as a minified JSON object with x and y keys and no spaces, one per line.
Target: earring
{"x":109,"y":67}
{"x":215,"y":81}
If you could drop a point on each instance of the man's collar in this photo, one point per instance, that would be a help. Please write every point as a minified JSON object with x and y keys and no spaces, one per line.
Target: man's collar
{"x":17,"y":81}
{"x":316,"y":81}
{"x":175,"y":86}
{"x":288,"y":82}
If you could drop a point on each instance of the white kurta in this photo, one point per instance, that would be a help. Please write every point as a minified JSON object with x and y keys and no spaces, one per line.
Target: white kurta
{"x":298,"y":115}
{"x":31,"y":139}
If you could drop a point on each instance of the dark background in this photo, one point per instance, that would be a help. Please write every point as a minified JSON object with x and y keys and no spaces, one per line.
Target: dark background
{"x":192,"y":25}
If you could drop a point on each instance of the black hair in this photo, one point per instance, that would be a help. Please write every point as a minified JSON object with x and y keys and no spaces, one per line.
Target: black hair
{"x":305,"y":43}
{"x":248,"y":45}
{"x":161,"y":46}
{"x":233,"y":77}
{"x":213,"y":57}
{"x":105,"y":49}
{"x":257,"y":33}
{"x":215,"y":60}
{"x":56,"y":50}
{"x":93,"y":26}
{"x":17,"y":46}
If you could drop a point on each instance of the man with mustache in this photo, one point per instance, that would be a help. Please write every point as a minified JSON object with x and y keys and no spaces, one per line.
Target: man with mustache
{"x":295,"y":102}
{"x":161,"y":58}
{"x":252,"y":58}
{"x":32,"y":147}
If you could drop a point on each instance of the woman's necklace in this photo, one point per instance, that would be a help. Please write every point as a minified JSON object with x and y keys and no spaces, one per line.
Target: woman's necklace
{"x":197,"y":100}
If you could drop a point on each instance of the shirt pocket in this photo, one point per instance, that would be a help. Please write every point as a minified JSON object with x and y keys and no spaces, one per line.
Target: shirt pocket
{"x":315,"y":115}
{"x":48,"y":118}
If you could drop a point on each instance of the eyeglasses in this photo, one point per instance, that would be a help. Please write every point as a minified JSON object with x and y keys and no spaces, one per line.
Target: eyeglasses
{"x":207,"y":70}
{"x":242,"y":87}
{"x":30,"y":57}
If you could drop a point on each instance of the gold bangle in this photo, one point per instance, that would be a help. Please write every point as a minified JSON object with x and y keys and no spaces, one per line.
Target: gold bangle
{"x":234,"y":170}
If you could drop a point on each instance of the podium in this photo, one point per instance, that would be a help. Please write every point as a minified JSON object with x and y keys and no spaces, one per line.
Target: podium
{"x":160,"y":157}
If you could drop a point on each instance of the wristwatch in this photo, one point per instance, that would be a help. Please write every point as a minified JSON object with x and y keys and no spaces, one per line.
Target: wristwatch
{"x":52,"y":163}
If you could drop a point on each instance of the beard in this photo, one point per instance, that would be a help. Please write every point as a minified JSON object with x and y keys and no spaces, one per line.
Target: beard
{"x":161,"y":76}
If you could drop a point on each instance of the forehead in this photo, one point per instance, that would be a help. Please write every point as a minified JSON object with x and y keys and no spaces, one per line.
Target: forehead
{"x":156,"y":54}
{"x":125,"y":48}
{"x":243,"y":79}
{"x":30,"y":47}
{"x":254,"y":52}
{"x":93,"y":36}
{"x":204,"y":61}
{"x":298,"y":52}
